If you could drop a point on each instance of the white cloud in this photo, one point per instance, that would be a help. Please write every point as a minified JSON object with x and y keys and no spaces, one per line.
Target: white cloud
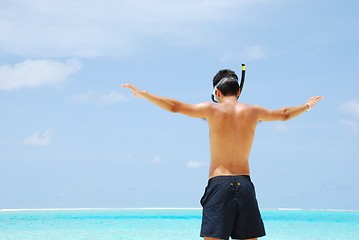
{"x":113,"y":27}
{"x":107,"y":99}
{"x":39,"y":139}
{"x":35,"y":73}
{"x":254,"y":52}
{"x":352,"y":125}
{"x":83,"y":97}
{"x":129,"y":156}
{"x":157,"y":160}
{"x":196,"y":164}
{"x":281,"y":128}
{"x":351,"y":107}
{"x":112,"y":97}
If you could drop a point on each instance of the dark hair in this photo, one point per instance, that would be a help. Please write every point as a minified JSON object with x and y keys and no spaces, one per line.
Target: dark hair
{"x":229,"y":85}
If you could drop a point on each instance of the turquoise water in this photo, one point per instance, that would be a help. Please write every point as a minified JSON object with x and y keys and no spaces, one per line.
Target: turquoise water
{"x":173,"y":224}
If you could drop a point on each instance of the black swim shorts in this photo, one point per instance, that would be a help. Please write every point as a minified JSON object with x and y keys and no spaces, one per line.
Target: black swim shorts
{"x":230,"y":209}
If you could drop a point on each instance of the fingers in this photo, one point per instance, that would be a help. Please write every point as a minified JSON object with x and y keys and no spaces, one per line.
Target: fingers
{"x":126,"y":85}
{"x":133,"y":89}
{"x":130,"y":86}
{"x":318,"y":98}
{"x":314,"y":100}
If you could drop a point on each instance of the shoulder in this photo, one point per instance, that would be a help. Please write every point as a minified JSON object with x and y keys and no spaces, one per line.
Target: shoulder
{"x":207,"y":104}
{"x":203,"y":106}
{"x":199,"y":110}
{"x":253,"y":111}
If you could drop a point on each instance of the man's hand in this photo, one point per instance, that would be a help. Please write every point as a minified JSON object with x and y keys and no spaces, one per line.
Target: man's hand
{"x":313,"y":101}
{"x":137,"y":92}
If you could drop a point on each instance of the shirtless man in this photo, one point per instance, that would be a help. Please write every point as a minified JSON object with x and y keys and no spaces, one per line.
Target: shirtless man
{"x":229,"y":203}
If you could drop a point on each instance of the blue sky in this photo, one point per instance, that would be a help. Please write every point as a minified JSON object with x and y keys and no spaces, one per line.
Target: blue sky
{"x":71,"y":137}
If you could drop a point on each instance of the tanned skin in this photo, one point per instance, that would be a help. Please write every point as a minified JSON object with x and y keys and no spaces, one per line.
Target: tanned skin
{"x":232,"y":126}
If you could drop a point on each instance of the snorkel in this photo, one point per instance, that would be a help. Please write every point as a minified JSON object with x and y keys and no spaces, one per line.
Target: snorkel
{"x":213,"y":96}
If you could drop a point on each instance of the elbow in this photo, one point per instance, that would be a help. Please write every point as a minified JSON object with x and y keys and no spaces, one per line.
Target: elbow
{"x":285,"y":118}
{"x":285,"y":115}
{"x":174,"y":108}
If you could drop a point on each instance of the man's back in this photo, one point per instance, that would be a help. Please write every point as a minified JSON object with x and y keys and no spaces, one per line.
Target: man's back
{"x":229,"y":203}
{"x":231,"y":127}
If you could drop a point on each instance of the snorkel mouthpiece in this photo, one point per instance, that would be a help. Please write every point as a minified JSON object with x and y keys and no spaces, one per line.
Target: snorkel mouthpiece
{"x":213,"y":96}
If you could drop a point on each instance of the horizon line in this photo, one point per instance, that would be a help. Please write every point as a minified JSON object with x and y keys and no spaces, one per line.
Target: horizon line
{"x":163,"y":208}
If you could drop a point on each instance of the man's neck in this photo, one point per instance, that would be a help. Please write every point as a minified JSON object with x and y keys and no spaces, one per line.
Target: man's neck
{"x":229,"y":99}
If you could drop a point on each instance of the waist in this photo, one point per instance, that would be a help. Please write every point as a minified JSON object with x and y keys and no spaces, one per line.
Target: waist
{"x":229,"y":178}
{"x":227,"y":169}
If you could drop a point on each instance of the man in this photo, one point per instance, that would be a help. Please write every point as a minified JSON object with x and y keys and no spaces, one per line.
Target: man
{"x":229,"y":203}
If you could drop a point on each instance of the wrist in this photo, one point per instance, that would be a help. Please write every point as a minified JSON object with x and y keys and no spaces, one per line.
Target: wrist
{"x":309,"y":106}
{"x":142,"y":94}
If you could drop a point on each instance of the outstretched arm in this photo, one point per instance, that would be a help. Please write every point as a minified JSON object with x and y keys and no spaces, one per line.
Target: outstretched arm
{"x":201,"y":110}
{"x":289,"y":112}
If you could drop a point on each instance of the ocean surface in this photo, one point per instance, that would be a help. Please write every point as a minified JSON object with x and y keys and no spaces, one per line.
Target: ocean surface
{"x":171,"y":224}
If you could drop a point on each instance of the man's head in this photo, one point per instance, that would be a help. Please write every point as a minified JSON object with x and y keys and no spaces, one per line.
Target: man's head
{"x":226,"y":81}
